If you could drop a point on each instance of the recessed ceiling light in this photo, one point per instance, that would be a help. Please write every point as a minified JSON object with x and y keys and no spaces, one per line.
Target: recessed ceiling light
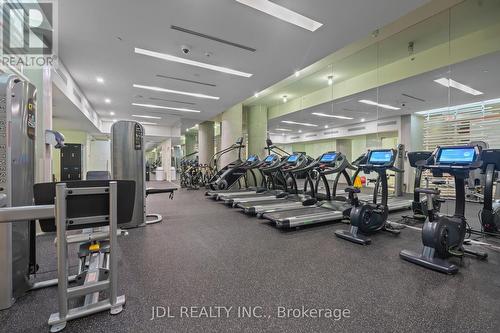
{"x":175,"y":91}
{"x":297,"y":73}
{"x":300,"y":131}
{"x":147,"y":123}
{"x":297,"y":123}
{"x":283,"y":129}
{"x":330,"y":80}
{"x":319,"y":114}
{"x":114,"y":120}
{"x":326,"y":126}
{"x":283,"y":13}
{"x":285,"y":99}
{"x":169,"y":57}
{"x":111,"y":113}
{"x":99,"y":79}
{"x":362,"y":120}
{"x":256,"y":94}
{"x":153,"y":106}
{"x":147,"y":117}
{"x":384,"y":106}
{"x":457,"y":85}
{"x":107,"y":101}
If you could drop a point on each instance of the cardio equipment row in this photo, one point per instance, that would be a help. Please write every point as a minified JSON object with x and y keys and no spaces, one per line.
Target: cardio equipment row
{"x":278,"y":198}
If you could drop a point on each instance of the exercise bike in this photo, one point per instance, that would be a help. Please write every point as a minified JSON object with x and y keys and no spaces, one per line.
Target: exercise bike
{"x":443,"y":236}
{"x":490,"y":214}
{"x":419,"y":207}
{"x":370,"y":217}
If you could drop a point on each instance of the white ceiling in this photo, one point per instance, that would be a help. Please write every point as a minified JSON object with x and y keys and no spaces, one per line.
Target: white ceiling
{"x":482,"y":73}
{"x":97,"y":38}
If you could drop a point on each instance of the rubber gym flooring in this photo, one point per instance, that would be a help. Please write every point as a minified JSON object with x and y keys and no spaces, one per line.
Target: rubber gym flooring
{"x":204,"y":254}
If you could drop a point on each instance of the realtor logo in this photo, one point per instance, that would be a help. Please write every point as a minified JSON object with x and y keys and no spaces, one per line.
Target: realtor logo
{"x":29,"y":32}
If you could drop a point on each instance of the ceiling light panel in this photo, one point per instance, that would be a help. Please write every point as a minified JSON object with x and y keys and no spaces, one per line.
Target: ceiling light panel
{"x":384,"y":106}
{"x":319,"y":114}
{"x":283,"y":130}
{"x":184,"y":61}
{"x":144,"y":116}
{"x":153,"y":106}
{"x":282,"y":13}
{"x":298,"y":123}
{"x":457,"y":85}
{"x":170,"y":91}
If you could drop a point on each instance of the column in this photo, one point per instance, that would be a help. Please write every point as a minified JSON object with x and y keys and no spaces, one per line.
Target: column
{"x":42,"y":79}
{"x":166,"y":158}
{"x":206,"y":135}
{"x":232,"y":129}
{"x":411,"y":135}
{"x":257,"y":130}
{"x":190,"y":143}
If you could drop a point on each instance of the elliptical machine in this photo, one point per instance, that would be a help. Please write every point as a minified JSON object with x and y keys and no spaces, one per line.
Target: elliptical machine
{"x":231,"y":173}
{"x":370,"y":217}
{"x":443,"y":236}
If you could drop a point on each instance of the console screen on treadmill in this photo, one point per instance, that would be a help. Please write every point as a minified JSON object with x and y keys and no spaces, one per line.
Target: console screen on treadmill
{"x":252,"y":158}
{"x":380,"y":156}
{"x":270,"y":158}
{"x":456,"y":155}
{"x":292,"y":158}
{"x":326,"y":158}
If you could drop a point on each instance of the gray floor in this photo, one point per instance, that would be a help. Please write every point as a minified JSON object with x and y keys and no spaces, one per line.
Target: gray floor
{"x":205,"y":254}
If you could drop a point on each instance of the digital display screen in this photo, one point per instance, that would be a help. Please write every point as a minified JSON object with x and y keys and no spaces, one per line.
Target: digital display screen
{"x":456,"y":155}
{"x":252,"y":158}
{"x":328,"y":157}
{"x":292,"y":158}
{"x":380,"y":156}
{"x":270,"y":158}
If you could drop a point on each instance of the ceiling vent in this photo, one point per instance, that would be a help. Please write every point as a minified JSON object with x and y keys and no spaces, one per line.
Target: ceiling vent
{"x":387,"y":123}
{"x":185,"y":80}
{"x":170,"y":100}
{"x":62,"y":76}
{"x":356,"y":129}
{"x":216,"y":39}
{"x":413,"y":97}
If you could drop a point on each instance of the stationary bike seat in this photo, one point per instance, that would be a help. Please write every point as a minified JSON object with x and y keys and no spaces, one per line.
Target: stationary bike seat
{"x":439,"y":182}
{"x":352,"y":189}
{"x":427,"y":191}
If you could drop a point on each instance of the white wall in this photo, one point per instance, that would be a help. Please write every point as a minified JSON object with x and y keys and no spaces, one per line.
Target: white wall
{"x":99,"y":156}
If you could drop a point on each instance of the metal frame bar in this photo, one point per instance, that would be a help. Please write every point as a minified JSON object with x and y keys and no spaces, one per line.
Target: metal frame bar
{"x":114,"y":303}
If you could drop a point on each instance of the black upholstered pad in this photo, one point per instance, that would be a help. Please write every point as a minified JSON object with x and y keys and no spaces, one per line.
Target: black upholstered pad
{"x":87,"y":205}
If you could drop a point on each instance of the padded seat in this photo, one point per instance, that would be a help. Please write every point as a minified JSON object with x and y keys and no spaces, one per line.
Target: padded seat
{"x":87,"y":205}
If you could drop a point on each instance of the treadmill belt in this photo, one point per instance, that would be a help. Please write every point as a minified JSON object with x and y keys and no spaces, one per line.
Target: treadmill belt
{"x":294,"y":212}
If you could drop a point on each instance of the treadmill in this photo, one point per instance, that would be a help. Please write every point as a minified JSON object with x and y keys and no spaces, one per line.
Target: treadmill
{"x":249,"y":165}
{"x":297,"y":163}
{"x":279,"y":177}
{"x":326,"y":164}
{"x":274,"y":184}
{"x":336,"y":208}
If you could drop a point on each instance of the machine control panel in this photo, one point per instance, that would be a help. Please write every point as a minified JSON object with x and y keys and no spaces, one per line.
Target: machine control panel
{"x":328,"y":158}
{"x":456,"y":155}
{"x":138,"y":137}
{"x":381,"y":157}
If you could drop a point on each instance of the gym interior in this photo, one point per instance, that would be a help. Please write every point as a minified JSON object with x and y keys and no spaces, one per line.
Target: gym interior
{"x":250,"y":166}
